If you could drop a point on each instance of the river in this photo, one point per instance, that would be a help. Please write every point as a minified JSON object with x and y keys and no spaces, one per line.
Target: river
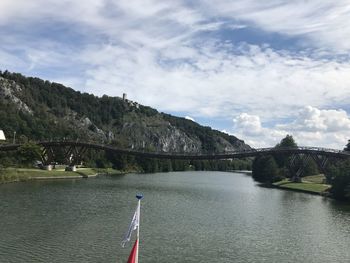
{"x":186,"y":217}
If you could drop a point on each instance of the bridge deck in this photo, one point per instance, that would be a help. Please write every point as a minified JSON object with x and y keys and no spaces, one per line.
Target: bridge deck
{"x":192,"y":156}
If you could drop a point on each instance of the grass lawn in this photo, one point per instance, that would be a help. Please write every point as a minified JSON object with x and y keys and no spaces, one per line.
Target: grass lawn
{"x":25,"y":174}
{"x":317,"y":179}
{"x":110,"y":171}
{"x":42,"y":173}
{"x":311,"y":184}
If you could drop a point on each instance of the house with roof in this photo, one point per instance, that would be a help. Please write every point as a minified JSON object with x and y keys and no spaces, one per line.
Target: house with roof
{"x":2,"y":136}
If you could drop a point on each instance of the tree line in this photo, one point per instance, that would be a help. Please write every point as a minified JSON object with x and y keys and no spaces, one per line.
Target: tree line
{"x":29,"y":154}
{"x":269,"y":169}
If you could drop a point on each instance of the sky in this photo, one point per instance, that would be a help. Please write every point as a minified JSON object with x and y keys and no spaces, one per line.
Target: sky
{"x":255,"y":69}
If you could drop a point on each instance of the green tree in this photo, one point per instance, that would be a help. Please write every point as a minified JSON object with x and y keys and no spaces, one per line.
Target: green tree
{"x":28,"y":153}
{"x":265,"y":169}
{"x":283,"y":160}
{"x":166,"y":165}
{"x":340,"y":181}
{"x":347,"y":147}
{"x":311,"y":168}
{"x":287,"y":141}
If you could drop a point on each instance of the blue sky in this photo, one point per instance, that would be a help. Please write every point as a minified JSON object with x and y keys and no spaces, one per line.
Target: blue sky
{"x":255,"y":69}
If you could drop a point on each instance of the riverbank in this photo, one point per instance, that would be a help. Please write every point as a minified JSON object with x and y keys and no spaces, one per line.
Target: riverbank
{"x":240,"y":171}
{"x":9,"y":175}
{"x":310,"y":184}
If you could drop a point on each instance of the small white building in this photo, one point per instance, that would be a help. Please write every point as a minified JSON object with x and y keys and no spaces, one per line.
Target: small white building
{"x":2,"y":136}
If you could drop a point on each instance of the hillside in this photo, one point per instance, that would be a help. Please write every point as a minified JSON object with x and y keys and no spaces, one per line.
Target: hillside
{"x":41,"y":110}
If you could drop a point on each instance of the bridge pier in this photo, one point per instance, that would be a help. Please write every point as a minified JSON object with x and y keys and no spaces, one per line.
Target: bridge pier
{"x":322,"y":162}
{"x":47,"y":167}
{"x":71,"y":168}
{"x":64,"y":154}
{"x":74,"y":154}
{"x":297,"y":165}
{"x":47,"y":157}
{"x":292,"y":165}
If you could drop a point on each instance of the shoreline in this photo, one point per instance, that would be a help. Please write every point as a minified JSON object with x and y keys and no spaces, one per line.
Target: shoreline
{"x":24,"y":175}
{"x":63,"y":177}
{"x":12,"y":175}
{"x":240,"y":171}
{"x":313,"y":184}
{"x":325,"y":194}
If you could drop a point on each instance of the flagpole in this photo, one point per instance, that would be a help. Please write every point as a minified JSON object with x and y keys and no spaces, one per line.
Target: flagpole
{"x":139,"y":197}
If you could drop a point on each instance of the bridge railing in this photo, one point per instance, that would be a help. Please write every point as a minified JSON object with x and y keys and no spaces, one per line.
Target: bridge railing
{"x":291,"y":149}
{"x":245,"y":152}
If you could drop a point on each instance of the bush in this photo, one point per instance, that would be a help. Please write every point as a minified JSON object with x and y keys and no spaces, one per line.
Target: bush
{"x":29,"y":153}
{"x":265,"y":169}
{"x":340,"y":181}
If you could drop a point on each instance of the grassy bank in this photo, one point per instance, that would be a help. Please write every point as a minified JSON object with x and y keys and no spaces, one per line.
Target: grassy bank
{"x":25,"y":174}
{"x":310,"y":184}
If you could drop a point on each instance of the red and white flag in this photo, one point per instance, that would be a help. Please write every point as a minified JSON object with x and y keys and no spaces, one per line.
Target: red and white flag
{"x":133,"y":258}
{"x":134,"y":225}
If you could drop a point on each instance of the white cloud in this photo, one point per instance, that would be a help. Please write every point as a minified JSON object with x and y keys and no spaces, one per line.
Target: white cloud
{"x":323,"y":23}
{"x":313,"y":120}
{"x":214,"y":79}
{"x":155,"y":22}
{"x":250,"y":124}
{"x":311,"y":127}
{"x":189,"y":118}
{"x":159,"y":54}
{"x":236,"y":26}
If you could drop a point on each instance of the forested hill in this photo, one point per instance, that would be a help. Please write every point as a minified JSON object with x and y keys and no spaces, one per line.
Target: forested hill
{"x":43,"y":110}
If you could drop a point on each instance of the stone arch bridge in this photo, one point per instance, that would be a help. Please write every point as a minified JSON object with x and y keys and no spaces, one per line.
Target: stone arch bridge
{"x":73,"y":153}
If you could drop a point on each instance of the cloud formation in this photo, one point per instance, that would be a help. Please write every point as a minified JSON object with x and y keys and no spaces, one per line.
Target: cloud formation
{"x":215,"y":79}
{"x":323,"y":23}
{"x":189,"y":118}
{"x":184,"y":58}
{"x":311,"y":127}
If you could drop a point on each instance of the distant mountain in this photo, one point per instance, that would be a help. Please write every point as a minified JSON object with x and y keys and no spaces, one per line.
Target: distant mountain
{"x":42,"y":110}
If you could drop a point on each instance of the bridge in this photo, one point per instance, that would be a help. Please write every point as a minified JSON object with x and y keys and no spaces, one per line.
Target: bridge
{"x":73,"y":152}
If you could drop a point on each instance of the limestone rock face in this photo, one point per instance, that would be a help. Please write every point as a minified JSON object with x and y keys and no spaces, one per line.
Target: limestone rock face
{"x":155,"y":135}
{"x":86,"y":126}
{"x":10,"y":90}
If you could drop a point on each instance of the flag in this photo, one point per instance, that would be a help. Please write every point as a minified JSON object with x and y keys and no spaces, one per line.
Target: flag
{"x":133,"y":255}
{"x":133,"y":225}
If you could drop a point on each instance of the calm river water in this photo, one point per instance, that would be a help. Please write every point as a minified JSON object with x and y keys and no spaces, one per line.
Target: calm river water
{"x":186,"y":217}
